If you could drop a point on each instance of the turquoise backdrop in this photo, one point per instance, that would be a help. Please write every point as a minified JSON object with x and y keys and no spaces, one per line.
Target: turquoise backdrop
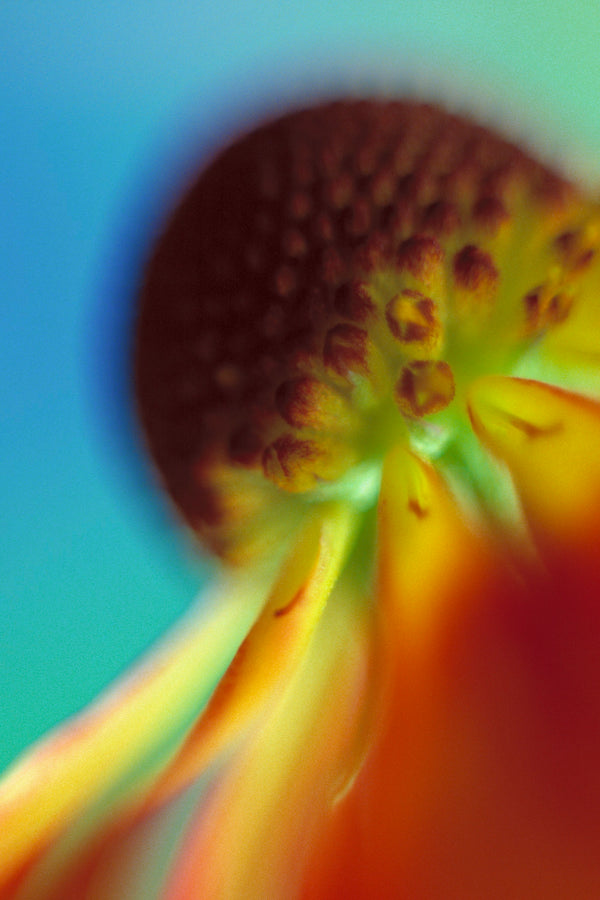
{"x":105,"y":106}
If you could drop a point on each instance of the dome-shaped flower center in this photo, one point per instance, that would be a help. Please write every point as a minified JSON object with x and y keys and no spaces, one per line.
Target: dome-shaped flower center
{"x":328,"y":288}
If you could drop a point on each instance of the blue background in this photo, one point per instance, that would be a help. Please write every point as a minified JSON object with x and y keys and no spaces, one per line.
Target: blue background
{"x":105,"y":107}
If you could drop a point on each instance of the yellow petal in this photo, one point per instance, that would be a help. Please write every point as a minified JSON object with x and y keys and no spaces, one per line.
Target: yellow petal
{"x":274,"y":647}
{"x":433,"y":570}
{"x":418,"y":522}
{"x":483,"y":779}
{"x":575,"y":344}
{"x":263,"y":817}
{"x":128,"y":733}
{"x":95,"y":855}
{"x":550,"y":441}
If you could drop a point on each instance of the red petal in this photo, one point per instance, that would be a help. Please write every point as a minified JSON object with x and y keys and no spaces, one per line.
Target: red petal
{"x":483,"y":780}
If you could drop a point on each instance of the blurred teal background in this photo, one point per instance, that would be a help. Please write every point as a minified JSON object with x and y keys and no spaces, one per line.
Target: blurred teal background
{"x":105,"y":107}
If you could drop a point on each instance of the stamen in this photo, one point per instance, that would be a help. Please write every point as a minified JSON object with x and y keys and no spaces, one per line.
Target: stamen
{"x":412,"y":320}
{"x":358,"y":219}
{"x":285,"y":281}
{"x":322,"y":228}
{"x":474,"y":272}
{"x":340,"y":191}
{"x":382,"y":186}
{"x":490,"y":214}
{"x":309,"y":403}
{"x":576,"y":249}
{"x":294,"y":244}
{"x":476,"y":280}
{"x":346,"y":351}
{"x":332,"y":266}
{"x":245,"y":446}
{"x":299,"y":206}
{"x":352,"y":300}
{"x":424,"y":387}
{"x":298,"y":465}
{"x":441,"y":218}
{"x":423,"y":257}
{"x":546,"y":306}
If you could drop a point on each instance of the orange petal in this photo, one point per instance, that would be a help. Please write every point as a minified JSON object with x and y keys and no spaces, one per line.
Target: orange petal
{"x":272,"y":650}
{"x":103,"y":757}
{"x":550,"y":441}
{"x":483,"y":777}
{"x":252,"y":837}
{"x":96,"y":853}
{"x":431,"y":565}
{"x":418,"y":522}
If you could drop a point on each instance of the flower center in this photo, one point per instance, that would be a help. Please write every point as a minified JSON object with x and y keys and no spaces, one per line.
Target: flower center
{"x":328,"y":288}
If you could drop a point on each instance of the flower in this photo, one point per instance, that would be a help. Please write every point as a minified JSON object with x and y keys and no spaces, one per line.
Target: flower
{"x":367,"y":368}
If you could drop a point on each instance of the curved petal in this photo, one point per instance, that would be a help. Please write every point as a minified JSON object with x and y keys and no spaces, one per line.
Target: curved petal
{"x":482,"y":780}
{"x":100,"y":853}
{"x":550,"y":441}
{"x":430,"y":565}
{"x":274,"y":647}
{"x":419,"y":523}
{"x":124,"y":737}
{"x":253,"y":837}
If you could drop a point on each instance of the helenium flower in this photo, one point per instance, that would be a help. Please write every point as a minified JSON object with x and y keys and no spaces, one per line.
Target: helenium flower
{"x":367,"y":366}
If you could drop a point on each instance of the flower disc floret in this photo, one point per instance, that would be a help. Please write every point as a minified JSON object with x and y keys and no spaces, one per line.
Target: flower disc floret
{"x":329,"y":287}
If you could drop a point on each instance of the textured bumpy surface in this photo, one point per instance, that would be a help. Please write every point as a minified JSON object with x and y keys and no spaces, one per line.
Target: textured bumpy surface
{"x":313,"y":273}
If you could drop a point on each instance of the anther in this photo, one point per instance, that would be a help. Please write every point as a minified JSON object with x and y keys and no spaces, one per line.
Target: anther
{"x":228,"y":377}
{"x":346,"y":350}
{"x":309,"y":403}
{"x":374,"y":253}
{"x":545,"y":307}
{"x":332,"y":266}
{"x":269,"y":181}
{"x":245,"y":446}
{"x":474,"y":272}
{"x":358,"y":218}
{"x":297,"y":465}
{"x":422,"y":256}
{"x":382,"y":187}
{"x":441,"y":218}
{"x":412,"y":320}
{"x":302,"y":170}
{"x":424,"y":387}
{"x":255,"y":258}
{"x":272,"y":324}
{"x":299,"y":206}
{"x":294,"y":244}
{"x":490,"y":213}
{"x":284,"y":281}
{"x":366,"y":161}
{"x":575,"y":250}
{"x":352,"y":300}
{"x":322,"y":228}
{"x":340,"y":191}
